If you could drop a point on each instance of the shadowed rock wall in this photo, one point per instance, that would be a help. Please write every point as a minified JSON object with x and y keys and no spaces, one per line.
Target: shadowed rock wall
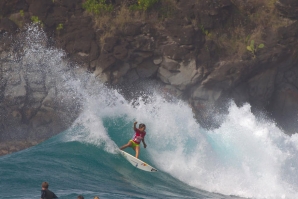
{"x":176,"y":52}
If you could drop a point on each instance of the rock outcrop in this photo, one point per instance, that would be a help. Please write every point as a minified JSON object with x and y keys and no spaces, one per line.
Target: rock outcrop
{"x":34,"y":104}
{"x":179,"y":52}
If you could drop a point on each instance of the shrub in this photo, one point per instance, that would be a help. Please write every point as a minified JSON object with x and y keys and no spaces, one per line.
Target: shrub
{"x":253,"y":49}
{"x":204,"y":31}
{"x":97,"y":6}
{"x":22,"y":13}
{"x":144,"y":4}
{"x":167,"y":8}
{"x":35,"y":19}
{"x":59,"y":26}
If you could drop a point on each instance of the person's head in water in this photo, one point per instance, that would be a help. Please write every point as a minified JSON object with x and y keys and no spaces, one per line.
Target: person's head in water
{"x":142,"y":127}
{"x":44,"y":185}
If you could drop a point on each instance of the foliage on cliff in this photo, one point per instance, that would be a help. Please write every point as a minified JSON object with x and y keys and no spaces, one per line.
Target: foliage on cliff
{"x":114,"y":18}
{"x":252,"y":19}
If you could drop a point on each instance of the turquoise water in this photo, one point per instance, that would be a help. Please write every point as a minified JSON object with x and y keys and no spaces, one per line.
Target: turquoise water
{"x":246,"y":156}
{"x":73,"y":168}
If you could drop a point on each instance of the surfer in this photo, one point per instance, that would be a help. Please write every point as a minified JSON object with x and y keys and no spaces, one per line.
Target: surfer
{"x":45,"y":192}
{"x":138,"y":137}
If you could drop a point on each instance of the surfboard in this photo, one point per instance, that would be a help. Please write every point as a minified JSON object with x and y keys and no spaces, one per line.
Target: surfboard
{"x":137,"y":162}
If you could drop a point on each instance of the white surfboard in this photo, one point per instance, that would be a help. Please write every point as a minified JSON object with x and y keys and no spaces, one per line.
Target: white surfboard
{"x":137,"y":163}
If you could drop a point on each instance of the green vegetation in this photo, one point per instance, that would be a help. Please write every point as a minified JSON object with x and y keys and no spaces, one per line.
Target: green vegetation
{"x":22,"y":13}
{"x":144,"y":5}
{"x":59,"y":26}
{"x":97,"y":6}
{"x":204,"y":31}
{"x":253,"y":49}
{"x":167,"y":9}
{"x":36,"y":20}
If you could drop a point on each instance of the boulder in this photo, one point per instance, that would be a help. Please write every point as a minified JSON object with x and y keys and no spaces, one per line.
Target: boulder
{"x":40,"y":8}
{"x":157,"y":60}
{"x":184,"y":35}
{"x":204,"y":94}
{"x":120,"y":52}
{"x":143,"y":43}
{"x":146,"y":69}
{"x":94,"y":51}
{"x":109,"y":44}
{"x":169,"y":64}
{"x":261,"y":88}
{"x":169,"y":91}
{"x":131,"y":76}
{"x":174,"y":51}
{"x":163,"y":74}
{"x":103,"y":62}
{"x":284,"y":107}
{"x":120,"y":71}
{"x":178,"y":75}
{"x":7,"y":25}
{"x":16,"y":94}
{"x":11,"y":6}
{"x":41,"y":119}
{"x":187,"y":76}
{"x":56,"y":15}
{"x":49,"y":100}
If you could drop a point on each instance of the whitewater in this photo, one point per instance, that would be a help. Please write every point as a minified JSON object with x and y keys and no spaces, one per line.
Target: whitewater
{"x":247,"y":156}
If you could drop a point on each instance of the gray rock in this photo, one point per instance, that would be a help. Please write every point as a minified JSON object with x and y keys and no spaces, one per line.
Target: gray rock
{"x":206,"y":94}
{"x":35,"y":77}
{"x":49,"y":82}
{"x":164,"y":75}
{"x":181,"y":77}
{"x":175,"y":51}
{"x":131,"y":76}
{"x":4,"y":55}
{"x":6,"y":66}
{"x":40,"y":119}
{"x":104,"y":61}
{"x":261,"y":87}
{"x":18,"y":91}
{"x":14,"y":79}
{"x":120,"y":52}
{"x":37,"y":97}
{"x":285,"y":107}
{"x":185,"y":78}
{"x":170,"y":64}
{"x":36,"y":87}
{"x":157,"y":60}
{"x":122,"y":70}
{"x":49,"y":100}
{"x":146,"y":69}
{"x":173,"y":91}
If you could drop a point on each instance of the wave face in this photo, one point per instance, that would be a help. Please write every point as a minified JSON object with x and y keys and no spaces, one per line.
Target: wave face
{"x":247,"y":156}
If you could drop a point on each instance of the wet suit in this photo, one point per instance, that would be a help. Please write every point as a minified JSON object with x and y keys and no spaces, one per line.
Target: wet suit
{"x":47,"y":194}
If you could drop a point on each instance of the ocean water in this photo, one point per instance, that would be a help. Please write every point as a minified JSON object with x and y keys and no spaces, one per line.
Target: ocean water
{"x":246,"y":157}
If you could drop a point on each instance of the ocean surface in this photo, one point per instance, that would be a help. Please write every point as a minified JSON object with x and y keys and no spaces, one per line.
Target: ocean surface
{"x":247,"y":156}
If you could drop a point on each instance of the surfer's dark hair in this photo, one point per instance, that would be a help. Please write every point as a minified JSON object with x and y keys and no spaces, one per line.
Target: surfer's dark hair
{"x":142,"y":125}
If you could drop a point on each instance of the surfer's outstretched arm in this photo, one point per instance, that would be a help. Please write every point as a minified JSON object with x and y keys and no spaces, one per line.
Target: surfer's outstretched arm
{"x":135,"y":126}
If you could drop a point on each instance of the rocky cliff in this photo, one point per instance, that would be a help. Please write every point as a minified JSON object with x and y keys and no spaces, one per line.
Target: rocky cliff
{"x":196,"y":50}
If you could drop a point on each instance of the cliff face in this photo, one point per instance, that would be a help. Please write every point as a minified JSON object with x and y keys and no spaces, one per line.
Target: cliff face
{"x":197,"y":50}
